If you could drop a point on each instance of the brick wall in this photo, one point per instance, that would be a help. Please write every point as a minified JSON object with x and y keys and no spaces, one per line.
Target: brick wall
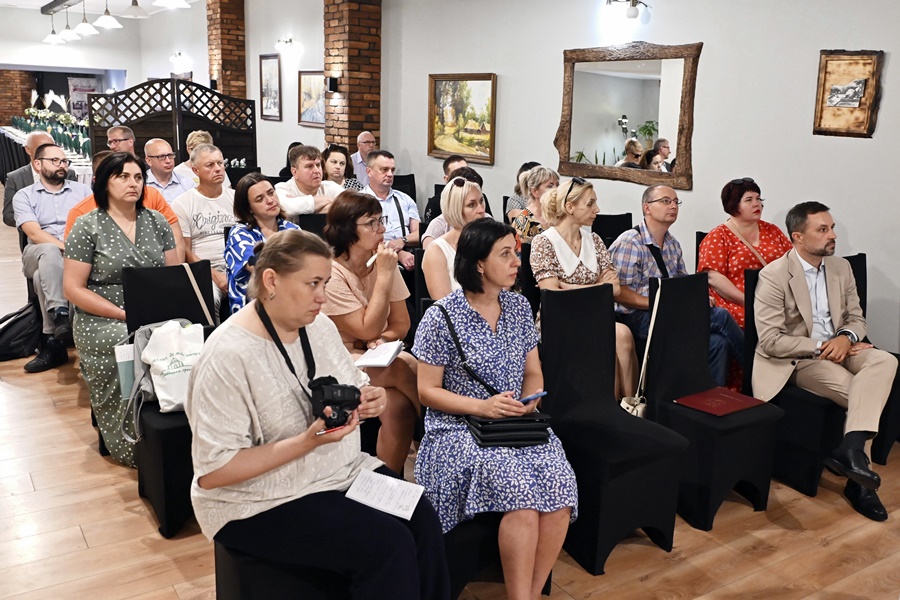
{"x":15,"y":94}
{"x":353,"y":55}
{"x":227,"y":48}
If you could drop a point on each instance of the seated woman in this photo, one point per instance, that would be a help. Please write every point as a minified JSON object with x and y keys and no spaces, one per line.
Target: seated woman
{"x":651,"y":160}
{"x":367,"y":302}
{"x":533,"y":486}
{"x":517,"y":202}
{"x":568,"y":255}
{"x":119,"y":233}
{"x":258,"y":215}
{"x":269,"y":479}
{"x":534,"y":184}
{"x":744,"y":241}
{"x":338,"y":168}
{"x":461,"y":203}
{"x":633,"y":151}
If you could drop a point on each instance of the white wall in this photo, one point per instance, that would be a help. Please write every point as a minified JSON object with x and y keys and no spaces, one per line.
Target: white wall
{"x":266,"y":22}
{"x":756,"y":91}
{"x":171,"y":31}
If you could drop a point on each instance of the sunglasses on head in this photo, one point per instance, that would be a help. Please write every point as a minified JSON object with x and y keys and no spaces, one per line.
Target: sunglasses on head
{"x":742,"y":180}
{"x":575,"y":181}
{"x":459,"y":181}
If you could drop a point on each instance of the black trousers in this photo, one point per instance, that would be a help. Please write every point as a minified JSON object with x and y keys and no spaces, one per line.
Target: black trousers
{"x":381,"y":555}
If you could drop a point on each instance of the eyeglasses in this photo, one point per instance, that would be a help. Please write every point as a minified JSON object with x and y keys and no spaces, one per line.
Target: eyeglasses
{"x":667,"y":201}
{"x":459,"y":181}
{"x":58,"y":161}
{"x":575,"y":181}
{"x":372,"y":143}
{"x":115,"y":142}
{"x":375,"y":224}
{"x":742,"y":180}
{"x":164,"y":157}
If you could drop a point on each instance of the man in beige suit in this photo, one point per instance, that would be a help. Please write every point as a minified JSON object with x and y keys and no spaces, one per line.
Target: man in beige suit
{"x":810,"y":330}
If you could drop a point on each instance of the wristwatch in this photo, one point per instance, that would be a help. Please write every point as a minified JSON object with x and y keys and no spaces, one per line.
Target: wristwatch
{"x":405,"y":240}
{"x":850,"y":335}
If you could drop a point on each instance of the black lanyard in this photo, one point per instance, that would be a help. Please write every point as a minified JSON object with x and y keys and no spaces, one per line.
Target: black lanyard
{"x":304,"y":343}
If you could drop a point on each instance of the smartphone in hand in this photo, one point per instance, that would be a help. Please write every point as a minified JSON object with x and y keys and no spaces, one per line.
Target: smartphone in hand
{"x":532,"y":397}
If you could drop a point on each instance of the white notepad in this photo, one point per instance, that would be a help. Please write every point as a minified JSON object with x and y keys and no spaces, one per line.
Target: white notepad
{"x":392,"y":496}
{"x":380,"y":356}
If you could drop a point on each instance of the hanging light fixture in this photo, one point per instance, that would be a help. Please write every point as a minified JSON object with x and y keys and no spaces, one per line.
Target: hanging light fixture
{"x":52,"y":38}
{"x":84,"y":28}
{"x":67,"y":34}
{"x":172,"y":4}
{"x":135,"y":11}
{"x":107,"y":21}
{"x":633,"y":11}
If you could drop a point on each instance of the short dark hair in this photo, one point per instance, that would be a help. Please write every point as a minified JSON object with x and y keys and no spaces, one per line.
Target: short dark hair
{"x":39,"y":152}
{"x":475,"y":243}
{"x":340,"y":224}
{"x":647,"y":158}
{"x":467,"y":173}
{"x":450,"y":160}
{"x":291,"y":146}
{"x":524,"y":168}
{"x":377,"y":154}
{"x":733,"y":192}
{"x":112,"y":166}
{"x":301,"y":151}
{"x":798,"y":216}
{"x":242,"y":212}
{"x":348,"y":167}
{"x":98,"y":158}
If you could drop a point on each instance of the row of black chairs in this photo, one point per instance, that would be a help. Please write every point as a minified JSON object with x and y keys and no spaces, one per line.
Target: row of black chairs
{"x":12,"y":156}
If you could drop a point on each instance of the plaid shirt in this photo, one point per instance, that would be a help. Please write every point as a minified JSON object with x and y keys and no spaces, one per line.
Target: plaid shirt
{"x":636,"y":264}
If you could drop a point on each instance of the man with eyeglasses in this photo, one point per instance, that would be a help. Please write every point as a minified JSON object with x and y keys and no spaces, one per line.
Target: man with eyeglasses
{"x":120,"y":139}
{"x":41,"y":210}
{"x":365,"y":142}
{"x":25,"y":176}
{"x":649,"y":250}
{"x":662,"y":146}
{"x":162,"y":176}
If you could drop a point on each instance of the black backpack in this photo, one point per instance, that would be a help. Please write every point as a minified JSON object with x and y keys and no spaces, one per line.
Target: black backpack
{"x":20,"y":332}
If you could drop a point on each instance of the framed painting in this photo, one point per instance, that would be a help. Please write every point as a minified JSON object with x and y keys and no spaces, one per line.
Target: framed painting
{"x":461,"y":116}
{"x":311,"y":98}
{"x":270,"y":87}
{"x":848,"y":93}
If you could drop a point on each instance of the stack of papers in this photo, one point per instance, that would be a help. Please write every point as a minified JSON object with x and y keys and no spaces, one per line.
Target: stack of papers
{"x":380,"y":356}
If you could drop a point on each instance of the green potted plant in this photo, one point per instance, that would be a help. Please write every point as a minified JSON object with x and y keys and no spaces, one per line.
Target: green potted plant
{"x":648,"y":131}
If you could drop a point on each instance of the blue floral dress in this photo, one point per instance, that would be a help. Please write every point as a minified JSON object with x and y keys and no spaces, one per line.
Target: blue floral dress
{"x":460,"y":478}
{"x":238,"y":249}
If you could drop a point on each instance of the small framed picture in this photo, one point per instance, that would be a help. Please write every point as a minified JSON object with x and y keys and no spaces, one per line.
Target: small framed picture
{"x":311,"y":98}
{"x":849,"y":92}
{"x":270,"y":87}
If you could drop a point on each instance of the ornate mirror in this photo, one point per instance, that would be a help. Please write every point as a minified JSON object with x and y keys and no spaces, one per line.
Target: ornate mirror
{"x":611,"y":94}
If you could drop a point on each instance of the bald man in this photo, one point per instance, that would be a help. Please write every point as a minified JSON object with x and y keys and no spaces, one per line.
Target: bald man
{"x":24,"y":177}
{"x":365,"y":143}
{"x":162,"y":176}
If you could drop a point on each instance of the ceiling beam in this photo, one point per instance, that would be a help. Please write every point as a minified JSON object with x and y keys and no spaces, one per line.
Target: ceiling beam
{"x":55,"y":6}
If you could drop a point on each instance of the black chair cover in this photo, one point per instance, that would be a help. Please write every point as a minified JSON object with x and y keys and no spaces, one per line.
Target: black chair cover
{"x":609,"y":227}
{"x":406,"y":184}
{"x":313,"y":223}
{"x":154,"y":294}
{"x":527,"y":281}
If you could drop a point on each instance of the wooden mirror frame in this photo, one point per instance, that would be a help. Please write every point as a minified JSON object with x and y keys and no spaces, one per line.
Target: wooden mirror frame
{"x":683,"y":176}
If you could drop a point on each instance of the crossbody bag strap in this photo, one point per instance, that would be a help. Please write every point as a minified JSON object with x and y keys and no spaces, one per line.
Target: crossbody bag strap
{"x":304,"y":343}
{"x":190,"y":274}
{"x":465,"y":365}
{"x":737,"y":234}
{"x":641,"y":382}
{"x":399,"y":214}
{"x":657,"y":256}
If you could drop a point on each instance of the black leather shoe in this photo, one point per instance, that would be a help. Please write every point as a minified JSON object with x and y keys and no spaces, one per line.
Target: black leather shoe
{"x":853,"y":464}
{"x":62,"y":328}
{"x":51,"y":355}
{"x":865,"y":502}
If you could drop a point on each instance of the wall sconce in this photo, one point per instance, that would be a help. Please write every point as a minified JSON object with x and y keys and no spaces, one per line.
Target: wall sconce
{"x":331,"y":84}
{"x":623,"y":123}
{"x":181,"y":63}
{"x":633,"y":11}
{"x":284,"y":44}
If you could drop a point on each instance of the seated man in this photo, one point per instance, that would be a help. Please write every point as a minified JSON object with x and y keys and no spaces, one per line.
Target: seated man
{"x":25,"y":176}
{"x":162,"y":176}
{"x":41,"y":211}
{"x":649,"y":250}
{"x":203,"y":214}
{"x":306,"y":192}
{"x":810,"y":325}
{"x":401,"y":211}
{"x":433,"y":206}
{"x":439,"y":225}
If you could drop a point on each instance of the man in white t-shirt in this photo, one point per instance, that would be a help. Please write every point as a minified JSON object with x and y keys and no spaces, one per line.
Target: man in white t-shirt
{"x":204,"y":212}
{"x":306,"y":192}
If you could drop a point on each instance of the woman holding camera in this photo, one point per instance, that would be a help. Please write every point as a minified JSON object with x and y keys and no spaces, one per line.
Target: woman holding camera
{"x":367,"y":302}
{"x":269,"y":478}
{"x":534,"y":486}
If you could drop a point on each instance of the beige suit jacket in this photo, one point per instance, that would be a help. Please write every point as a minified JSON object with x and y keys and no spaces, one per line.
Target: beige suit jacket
{"x":783,"y":313}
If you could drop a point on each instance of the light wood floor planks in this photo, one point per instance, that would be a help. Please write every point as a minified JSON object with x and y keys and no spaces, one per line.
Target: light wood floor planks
{"x":72,"y":525}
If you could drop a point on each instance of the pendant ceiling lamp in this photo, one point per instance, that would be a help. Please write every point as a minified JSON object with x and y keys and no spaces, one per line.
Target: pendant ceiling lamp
{"x":84,"y":28}
{"x":135,"y":11}
{"x":52,"y":38}
{"x":107,"y":21}
{"x":67,"y":33}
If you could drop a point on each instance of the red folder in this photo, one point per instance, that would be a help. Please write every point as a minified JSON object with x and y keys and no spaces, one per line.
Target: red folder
{"x":719,"y":401}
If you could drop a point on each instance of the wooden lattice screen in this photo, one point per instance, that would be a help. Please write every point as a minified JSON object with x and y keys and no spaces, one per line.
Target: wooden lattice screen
{"x":171,"y":109}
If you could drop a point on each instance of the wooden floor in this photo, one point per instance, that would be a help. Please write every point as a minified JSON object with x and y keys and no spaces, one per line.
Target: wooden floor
{"x":72,"y":525}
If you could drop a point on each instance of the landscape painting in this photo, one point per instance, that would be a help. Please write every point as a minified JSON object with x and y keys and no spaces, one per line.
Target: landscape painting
{"x":461,"y":115}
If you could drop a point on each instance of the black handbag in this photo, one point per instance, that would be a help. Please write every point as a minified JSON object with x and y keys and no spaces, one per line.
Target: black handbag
{"x":513,"y":432}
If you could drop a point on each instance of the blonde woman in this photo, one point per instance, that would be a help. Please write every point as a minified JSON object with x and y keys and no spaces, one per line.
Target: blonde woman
{"x":461,"y":202}
{"x":568,"y":255}
{"x":633,"y":152}
{"x":534,"y":184}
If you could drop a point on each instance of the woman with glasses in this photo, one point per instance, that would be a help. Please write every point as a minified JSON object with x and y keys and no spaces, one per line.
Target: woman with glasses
{"x":633,"y":152}
{"x":258,"y":215}
{"x":534,"y":184}
{"x":366,"y":299}
{"x":651,"y":160}
{"x":119,"y":233}
{"x":744,"y":241}
{"x":461,"y":203}
{"x":568,"y":256}
{"x":338,"y":168}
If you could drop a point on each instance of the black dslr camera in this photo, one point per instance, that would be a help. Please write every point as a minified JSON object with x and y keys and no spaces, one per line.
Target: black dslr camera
{"x":342,"y":399}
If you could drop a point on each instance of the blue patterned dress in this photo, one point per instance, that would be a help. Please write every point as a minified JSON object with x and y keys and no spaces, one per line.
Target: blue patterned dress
{"x":238,"y":249}
{"x":460,"y":478}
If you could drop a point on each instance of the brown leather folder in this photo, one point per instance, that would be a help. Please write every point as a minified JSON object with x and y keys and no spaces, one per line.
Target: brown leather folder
{"x":719,"y":401}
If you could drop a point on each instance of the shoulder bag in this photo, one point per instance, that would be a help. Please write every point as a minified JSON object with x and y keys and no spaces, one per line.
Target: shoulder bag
{"x":637,"y":404}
